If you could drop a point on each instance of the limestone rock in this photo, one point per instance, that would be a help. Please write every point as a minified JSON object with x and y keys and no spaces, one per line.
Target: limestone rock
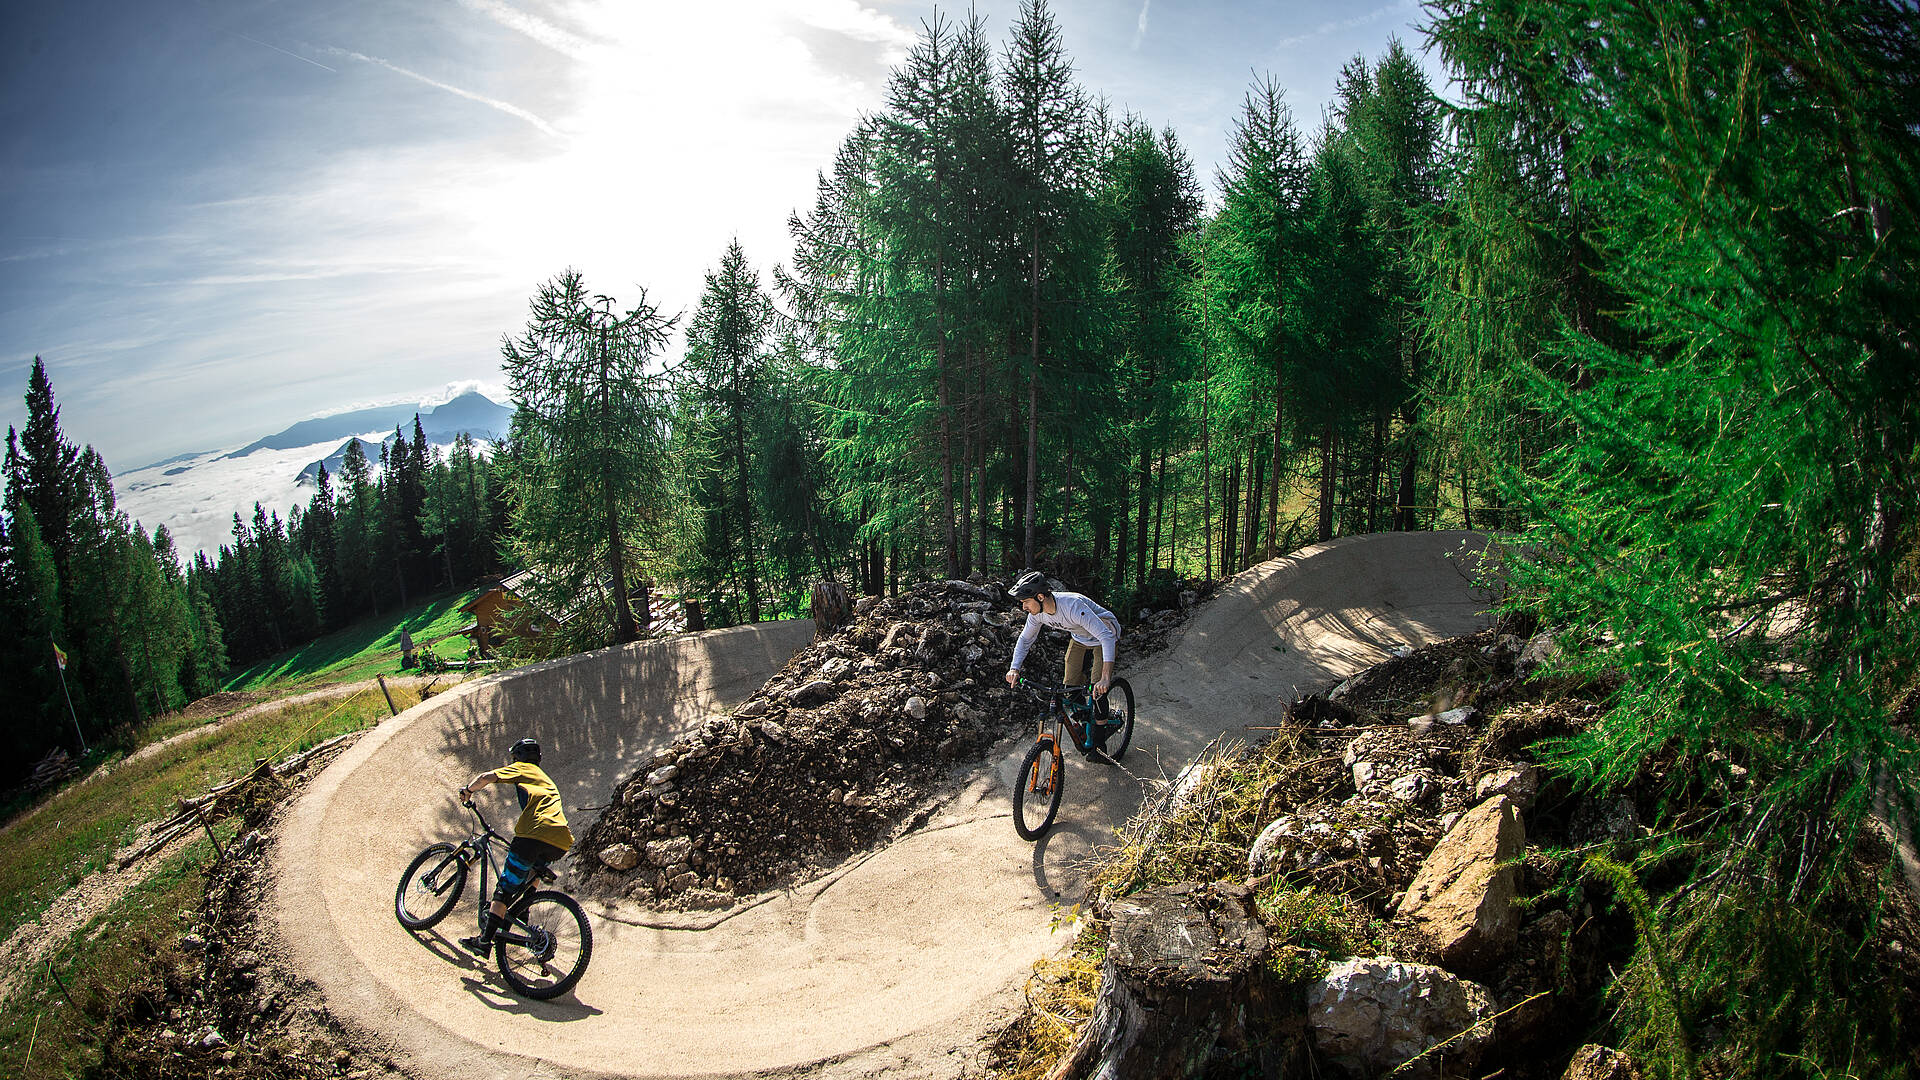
{"x":1521,"y":783}
{"x":1541,"y":649}
{"x":1594,"y":1062}
{"x":669,"y":852}
{"x":1373,"y":1014}
{"x":619,"y":856}
{"x":813,"y":693}
{"x":1463,"y":896}
{"x":662,"y":775}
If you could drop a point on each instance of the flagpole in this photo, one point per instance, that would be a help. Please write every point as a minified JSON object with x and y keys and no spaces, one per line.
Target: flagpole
{"x":60,"y":662}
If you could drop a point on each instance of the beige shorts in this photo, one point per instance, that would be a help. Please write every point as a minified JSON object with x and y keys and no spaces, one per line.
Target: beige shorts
{"x":1079,"y":667}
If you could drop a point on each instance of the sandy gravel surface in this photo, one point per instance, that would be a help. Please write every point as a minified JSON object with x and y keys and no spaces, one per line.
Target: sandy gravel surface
{"x":900,"y":963}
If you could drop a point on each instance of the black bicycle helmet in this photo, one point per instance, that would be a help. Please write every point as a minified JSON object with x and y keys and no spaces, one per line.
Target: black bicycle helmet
{"x":526,"y":750}
{"x":1027,"y":585}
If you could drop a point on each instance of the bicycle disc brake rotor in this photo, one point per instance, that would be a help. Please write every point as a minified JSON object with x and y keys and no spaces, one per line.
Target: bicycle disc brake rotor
{"x":540,"y":942}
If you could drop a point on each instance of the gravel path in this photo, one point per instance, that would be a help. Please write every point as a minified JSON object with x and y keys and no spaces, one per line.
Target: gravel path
{"x":897,"y":965}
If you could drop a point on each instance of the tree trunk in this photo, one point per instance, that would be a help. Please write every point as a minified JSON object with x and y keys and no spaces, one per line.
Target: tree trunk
{"x":1180,"y":986}
{"x":1160,"y":507}
{"x":1327,"y":448}
{"x":623,"y":628}
{"x":1273,"y":478}
{"x":1033,"y":449}
{"x":1378,"y":468}
{"x":1403,"y":502}
{"x":1249,"y":552}
{"x":1141,"y":521}
{"x":1230,"y":509}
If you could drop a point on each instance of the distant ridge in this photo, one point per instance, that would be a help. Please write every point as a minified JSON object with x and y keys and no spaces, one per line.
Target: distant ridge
{"x":472,"y":413}
{"x":337,"y":426}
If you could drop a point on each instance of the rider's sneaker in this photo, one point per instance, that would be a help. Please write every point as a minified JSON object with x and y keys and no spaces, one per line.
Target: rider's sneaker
{"x":477,"y":945}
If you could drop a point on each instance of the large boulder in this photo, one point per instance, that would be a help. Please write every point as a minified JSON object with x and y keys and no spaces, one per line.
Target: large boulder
{"x":1373,"y":1015}
{"x":1462,"y":897}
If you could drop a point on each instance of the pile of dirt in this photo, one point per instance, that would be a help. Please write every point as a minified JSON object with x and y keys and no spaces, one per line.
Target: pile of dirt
{"x":851,"y":744}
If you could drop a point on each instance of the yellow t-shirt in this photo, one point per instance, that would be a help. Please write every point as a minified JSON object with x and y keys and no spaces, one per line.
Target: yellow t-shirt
{"x":541,"y":817}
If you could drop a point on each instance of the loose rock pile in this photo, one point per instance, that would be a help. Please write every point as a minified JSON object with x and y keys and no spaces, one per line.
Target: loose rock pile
{"x":849,"y":744}
{"x":1408,"y":793}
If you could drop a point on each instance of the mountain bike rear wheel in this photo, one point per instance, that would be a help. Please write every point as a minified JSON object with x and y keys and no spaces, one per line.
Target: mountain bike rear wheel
{"x":546,"y":946}
{"x":430,"y":887}
{"x":1036,"y":789}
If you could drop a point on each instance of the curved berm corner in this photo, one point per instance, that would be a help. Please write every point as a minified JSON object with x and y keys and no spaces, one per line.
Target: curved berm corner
{"x":898,"y":963}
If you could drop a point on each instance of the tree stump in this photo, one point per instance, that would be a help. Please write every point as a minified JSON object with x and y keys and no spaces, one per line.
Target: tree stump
{"x":831,"y":608}
{"x":643,"y":606}
{"x":1175,"y":985}
{"x":696,"y":620}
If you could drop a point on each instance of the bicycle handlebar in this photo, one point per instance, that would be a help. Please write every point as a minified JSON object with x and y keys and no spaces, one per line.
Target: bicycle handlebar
{"x":1054,"y":689}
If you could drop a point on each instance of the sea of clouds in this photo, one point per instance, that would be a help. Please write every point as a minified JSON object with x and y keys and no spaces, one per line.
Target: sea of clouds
{"x":198,"y":500}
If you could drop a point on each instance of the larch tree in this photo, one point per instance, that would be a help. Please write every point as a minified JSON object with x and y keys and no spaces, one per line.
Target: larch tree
{"x":589,"y":424}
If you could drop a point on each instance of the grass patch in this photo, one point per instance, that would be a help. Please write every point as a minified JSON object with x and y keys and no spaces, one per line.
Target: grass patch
{"x":368,"y":647}
{"x":50,"y":848}
{"x":49,"y":1033}
{"x":1060,"y":998}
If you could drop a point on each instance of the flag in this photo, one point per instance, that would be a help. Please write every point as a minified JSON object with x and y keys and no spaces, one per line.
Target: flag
{"x":59,"y":655}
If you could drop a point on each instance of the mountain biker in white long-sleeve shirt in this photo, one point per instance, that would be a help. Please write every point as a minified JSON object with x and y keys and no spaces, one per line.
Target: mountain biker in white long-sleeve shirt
{"x":1087,"y":624}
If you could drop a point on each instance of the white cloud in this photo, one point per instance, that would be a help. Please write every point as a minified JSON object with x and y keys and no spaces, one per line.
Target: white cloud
{"x":492,"y":103}
{"x":1140,"y":31}
{"x":540,"y":30}
{"x":1365,"y":19}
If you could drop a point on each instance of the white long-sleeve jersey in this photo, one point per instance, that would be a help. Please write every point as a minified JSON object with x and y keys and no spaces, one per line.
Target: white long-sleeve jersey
{"x":1085,"y":621}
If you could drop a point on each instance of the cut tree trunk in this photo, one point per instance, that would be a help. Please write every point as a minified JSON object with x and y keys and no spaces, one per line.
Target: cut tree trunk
{"x":1183,"y":962}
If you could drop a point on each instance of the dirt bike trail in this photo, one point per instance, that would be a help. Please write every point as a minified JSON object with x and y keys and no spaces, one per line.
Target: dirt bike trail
{"x":896,"y":965}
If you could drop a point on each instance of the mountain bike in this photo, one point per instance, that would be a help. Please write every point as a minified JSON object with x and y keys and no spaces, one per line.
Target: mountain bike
{"x":544,"y":947}
{"x":1071,"y":713}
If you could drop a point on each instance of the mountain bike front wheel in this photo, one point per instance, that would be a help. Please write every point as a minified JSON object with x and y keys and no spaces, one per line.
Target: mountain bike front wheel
{"x":1036,"y":789}
{"x":430,"y":887}
{"x":1120,"y":711}
{"x":546,"y":946}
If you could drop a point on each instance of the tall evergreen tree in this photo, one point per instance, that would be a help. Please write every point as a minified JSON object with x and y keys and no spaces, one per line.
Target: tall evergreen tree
{"x":1254,"y":266}
{"x":722,"y":392}
{"x":589,"y":424}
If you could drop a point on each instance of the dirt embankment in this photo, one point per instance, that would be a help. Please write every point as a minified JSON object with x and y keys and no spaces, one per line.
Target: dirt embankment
{"x":1423,"y":887}
{"x":847,"y":747}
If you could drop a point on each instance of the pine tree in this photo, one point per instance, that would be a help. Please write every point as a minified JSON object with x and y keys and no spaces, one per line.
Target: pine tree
{"x":721,"y":389}
{"x":1726,"y":526}
{"x":1254,"y":268}
{"x":589,"y":424}
{"x":1050,"y":162}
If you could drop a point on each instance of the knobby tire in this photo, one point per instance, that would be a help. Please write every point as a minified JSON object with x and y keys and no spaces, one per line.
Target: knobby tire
{"x":430,"y":887}
{"x":565,"y":945}
{"x":1125,"y":705}
{"x":1041,"y":776}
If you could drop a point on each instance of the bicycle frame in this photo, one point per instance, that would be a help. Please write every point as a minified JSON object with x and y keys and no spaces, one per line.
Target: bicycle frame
{"x":1060,"y":705}
{"x":481,"y":845}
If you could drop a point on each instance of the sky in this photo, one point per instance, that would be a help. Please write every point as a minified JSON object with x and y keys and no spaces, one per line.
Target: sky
{"x":219,"y":217}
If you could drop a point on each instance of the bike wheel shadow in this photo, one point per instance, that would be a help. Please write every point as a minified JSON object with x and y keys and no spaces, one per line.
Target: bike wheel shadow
{"x":482,"y":980}
{"x":563,"y":1009}
{"x":1060,"y":860}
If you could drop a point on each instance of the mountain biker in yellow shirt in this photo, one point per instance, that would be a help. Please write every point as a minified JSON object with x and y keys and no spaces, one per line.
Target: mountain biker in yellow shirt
{"x":540,"y":835}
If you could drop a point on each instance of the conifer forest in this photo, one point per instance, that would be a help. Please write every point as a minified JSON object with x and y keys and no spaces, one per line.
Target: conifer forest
{"x":1636,"y":291}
